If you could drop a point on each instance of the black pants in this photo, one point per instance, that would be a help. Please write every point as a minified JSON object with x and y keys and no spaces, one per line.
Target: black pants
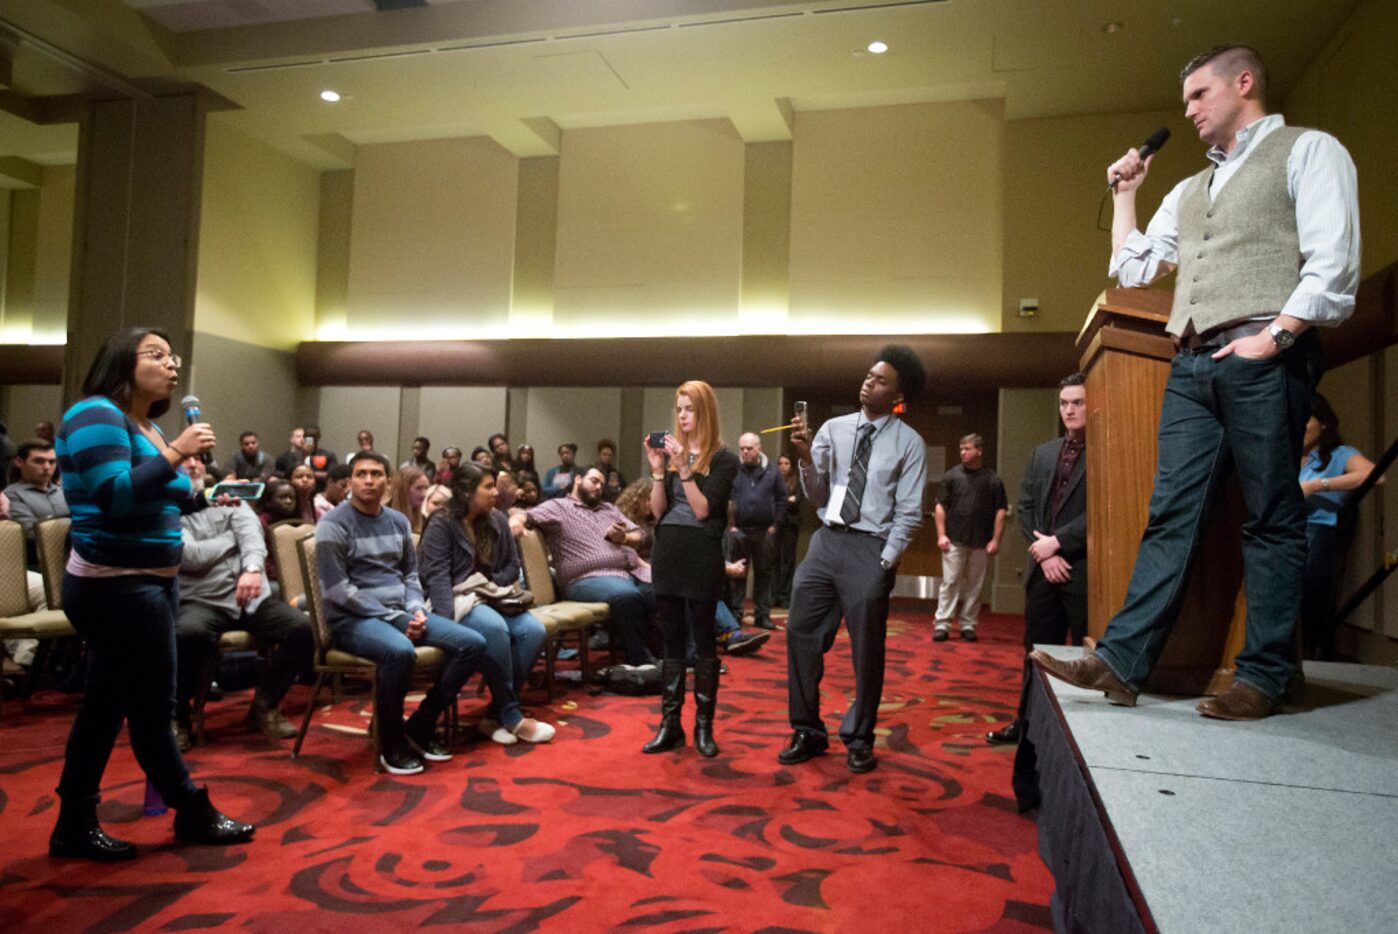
{"x":1052,"y":614}
{"x":1318,"y":590}
{"x":198,"y":626}
{"x":680,"y":616}
{"x":785,"y":570}
{"x":128,"y":624}
{"x":841,"y":577}
{"x":760,"y":550}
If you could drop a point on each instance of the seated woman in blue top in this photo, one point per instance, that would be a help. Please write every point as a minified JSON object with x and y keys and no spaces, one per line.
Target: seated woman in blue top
{"x":1329,"y":470}
{"x":467,"y":536}
{"x":119,"y":589}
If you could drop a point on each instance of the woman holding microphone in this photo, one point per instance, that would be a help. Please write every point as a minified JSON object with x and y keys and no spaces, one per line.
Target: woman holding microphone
{"x":119,"y":589}
{"x":692,"y":476}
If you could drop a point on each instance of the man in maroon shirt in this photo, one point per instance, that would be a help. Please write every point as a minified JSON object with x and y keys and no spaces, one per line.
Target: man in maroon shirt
{"x":593,"y":549}
{"x":1053,"y":517}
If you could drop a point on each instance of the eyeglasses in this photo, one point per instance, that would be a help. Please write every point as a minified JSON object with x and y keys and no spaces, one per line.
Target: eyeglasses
{"x":161,"y":357}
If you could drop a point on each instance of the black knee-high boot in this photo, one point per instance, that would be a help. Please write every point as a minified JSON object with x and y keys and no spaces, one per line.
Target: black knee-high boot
{"x":705,"y":699}
{"x":671,"y":733}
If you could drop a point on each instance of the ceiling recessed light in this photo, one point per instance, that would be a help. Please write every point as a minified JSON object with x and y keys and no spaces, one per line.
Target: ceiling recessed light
{"x":1114,"y":27}
{"x":877,"y":47}
{"x":330,"y":96}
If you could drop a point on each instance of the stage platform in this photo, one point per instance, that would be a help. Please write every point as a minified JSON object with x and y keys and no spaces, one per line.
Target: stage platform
{"x":1155,"y":818}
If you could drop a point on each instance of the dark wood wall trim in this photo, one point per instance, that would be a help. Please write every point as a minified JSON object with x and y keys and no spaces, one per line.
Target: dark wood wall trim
{"x":960,"y":361}
{"x":31,"y":364}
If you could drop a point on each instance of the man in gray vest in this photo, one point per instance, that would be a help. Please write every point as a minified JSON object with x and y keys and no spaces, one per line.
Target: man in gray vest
{"x":1266,"y":241}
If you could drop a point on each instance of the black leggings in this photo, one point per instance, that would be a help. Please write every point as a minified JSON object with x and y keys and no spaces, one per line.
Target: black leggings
{"x":681,"y":615}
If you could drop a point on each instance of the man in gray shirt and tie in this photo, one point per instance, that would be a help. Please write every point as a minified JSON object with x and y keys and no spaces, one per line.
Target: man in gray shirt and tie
{"x":865,"y":474}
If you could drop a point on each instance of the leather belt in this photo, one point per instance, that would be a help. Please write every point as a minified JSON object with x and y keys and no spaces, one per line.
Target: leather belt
{"x":846,"y":530}
{"x":1217,"y":338}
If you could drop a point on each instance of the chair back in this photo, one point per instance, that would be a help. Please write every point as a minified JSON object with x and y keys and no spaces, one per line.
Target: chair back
{"x":315,"y":605}
{"x":14,"y":586}
{"x":51,"y":541}
{"x":536,"y":567}
{"x":285,"y":536}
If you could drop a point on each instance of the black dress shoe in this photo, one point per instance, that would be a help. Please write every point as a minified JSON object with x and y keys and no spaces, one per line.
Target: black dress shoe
{"x":89,"y":843}
{"x":802,"y":746}
{"x":764,"y":624}
{"x":198,"y":821}
{"x":1005,"y":736}
{"x":861,"y":759}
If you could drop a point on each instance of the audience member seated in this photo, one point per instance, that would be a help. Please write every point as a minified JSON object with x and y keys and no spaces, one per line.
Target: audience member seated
{"x":593,"y":549}
{"x":336,"y":489}
{"x":44,"y":431}
{"x":278,"y":504}
{"x":223,"y":587}
{"x":469,"y":541}
{"x":528,"y":494}
{"x":634,"y":503}
{"x":606,"y":462}
{"x":421,"y":459}
{"x":524,"y":464}
{"x":303,"y":481}
{"x":406,"y":493}
{"x":435,"y":498}
{"x":34,"y":497}
{"x":294,"y":454}
{"x":508,"y":491}
{"x":374,"y":609}
{"x":365,"y":439}
{"x":250,"y":462}
{"x":500,"y":456}
{"x":319,"y":459}
{"x":451,"y":459}
{"x":559,"y":480}
{"x":480,"y":454}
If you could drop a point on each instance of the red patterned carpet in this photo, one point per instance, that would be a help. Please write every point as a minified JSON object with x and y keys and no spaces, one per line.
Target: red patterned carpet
{"x":584,"y":834}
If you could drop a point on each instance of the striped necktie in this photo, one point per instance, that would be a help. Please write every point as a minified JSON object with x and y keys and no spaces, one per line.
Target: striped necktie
{"x":858,"y":476}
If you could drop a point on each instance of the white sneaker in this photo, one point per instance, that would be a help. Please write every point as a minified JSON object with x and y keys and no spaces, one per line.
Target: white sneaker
{"x":503,"y":736}
{"x":533,"y":731}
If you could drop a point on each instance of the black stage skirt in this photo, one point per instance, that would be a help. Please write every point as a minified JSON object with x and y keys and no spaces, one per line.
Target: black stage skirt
{"x":686,"y":562}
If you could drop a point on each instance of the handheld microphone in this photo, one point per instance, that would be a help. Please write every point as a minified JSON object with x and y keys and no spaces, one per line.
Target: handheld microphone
{"x":193,"y":411}
{"x":1150,"y":147}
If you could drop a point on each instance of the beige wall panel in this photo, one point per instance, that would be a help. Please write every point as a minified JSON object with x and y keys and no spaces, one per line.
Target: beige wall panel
{"x":650,"y":225}
{"x":584,"y":416}
{"x":344,"y":410}
{"x":333,"y":251}
{"x":257,"y":242}
{"x":433,"y":238}
{"x":1027,"y":418}
{"x":27,"y":405}
{"x":53,"y":254}
{"x":895,"y":218}
{"x":1054,"y":182}
{"x":244,"y":387}
{"x":463,"y":416}
{"x":1351,"y":90}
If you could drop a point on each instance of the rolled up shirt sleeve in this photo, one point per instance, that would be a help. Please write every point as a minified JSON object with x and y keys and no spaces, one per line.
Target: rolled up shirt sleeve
{"x":1137,"y":263}
{"x":1324,"y":185}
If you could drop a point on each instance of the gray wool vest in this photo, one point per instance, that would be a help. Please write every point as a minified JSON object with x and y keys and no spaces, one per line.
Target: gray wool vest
{"x":1240,"y":256}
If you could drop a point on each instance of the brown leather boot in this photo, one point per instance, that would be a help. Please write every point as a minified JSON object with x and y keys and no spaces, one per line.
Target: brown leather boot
{"x":1089,"y":672}
{"x":1241,"y":701}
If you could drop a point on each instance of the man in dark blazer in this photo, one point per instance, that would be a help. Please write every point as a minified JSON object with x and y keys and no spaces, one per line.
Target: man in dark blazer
{"x":1053,"y":517}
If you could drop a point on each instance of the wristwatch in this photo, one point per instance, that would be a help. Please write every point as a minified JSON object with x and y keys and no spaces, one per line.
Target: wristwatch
{"x":886,"y":564}
{"x":1281,"y":336}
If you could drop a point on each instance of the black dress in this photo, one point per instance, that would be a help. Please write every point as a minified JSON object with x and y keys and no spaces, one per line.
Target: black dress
{"x":687,"y":561}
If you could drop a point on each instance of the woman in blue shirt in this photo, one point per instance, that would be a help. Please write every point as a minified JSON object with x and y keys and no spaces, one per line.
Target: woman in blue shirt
{"x":1329,"y":470}
{"x":119,"y":589}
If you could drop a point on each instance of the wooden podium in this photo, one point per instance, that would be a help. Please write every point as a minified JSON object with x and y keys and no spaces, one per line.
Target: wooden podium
{"x":1126,"y":355}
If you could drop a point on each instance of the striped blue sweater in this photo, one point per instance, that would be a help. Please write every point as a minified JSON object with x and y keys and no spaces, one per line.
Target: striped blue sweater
{"x":367,"y":565}
{"x":124,"y":497}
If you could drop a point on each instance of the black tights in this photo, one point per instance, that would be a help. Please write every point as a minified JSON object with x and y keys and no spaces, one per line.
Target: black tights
{"x":681,"y":615}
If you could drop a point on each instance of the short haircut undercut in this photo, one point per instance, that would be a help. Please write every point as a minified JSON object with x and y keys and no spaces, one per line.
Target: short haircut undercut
{"x":1229,"y":61}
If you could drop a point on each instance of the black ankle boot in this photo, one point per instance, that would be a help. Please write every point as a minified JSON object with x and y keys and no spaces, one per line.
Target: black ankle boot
{"x":77,"y":835}
{"x":198,"y":821}
{"x":705,"y":699}
{"x":671,"y":733}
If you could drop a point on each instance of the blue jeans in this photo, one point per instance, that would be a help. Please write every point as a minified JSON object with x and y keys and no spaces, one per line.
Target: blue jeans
{"x":128,"y":625}
{"x":513,"y":643}
{"x":1221,"y":415}
{"x":385,"y":642}
{"x":631,"y":602}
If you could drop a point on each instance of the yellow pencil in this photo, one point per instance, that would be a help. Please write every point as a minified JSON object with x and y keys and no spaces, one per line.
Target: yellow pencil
{"x":777,"y":428}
